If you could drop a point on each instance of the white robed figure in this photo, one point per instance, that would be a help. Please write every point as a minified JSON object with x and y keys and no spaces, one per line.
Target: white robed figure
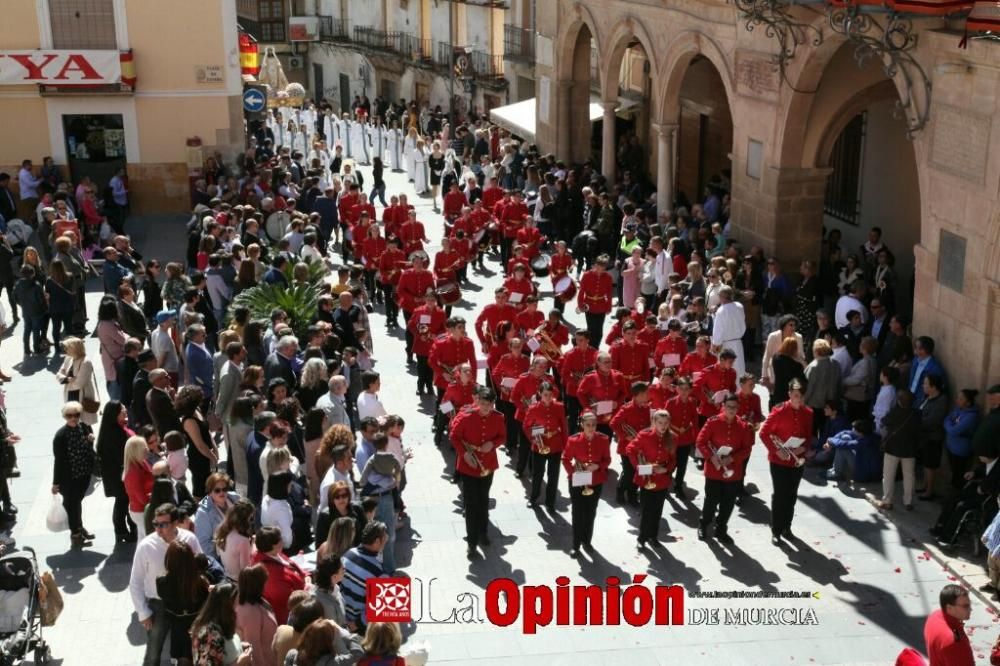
{"x":377,"y":137}
{"x":281,"y":130}
{"x":359,"y":141}
{"x":728,"y":327}
{"x":344,"y":129}
{"x":394,"y":141}
{"x":421,"y":180}
{"x":273,"y":124}
{"x":300,"y":141}
{"x":409,"y":151}
{"x":328,"y":131}
{"x":309,"y":118}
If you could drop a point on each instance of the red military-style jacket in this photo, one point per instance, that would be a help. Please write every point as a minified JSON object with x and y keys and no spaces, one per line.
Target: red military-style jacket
{"x":528,"y":320}
{"x":596,"y":450}
{"x":670,"y":345}
{"x":615,"y":334}
{"x":390,"y":266}
{"x":718,"y":432}
{"x":749,"y":409}
{"x":783,"y":422}
{"x":552,"y":418}
{"x":660,"y":395}
{"x":372,"y":250}
{"x":525,"y":392}
{"x":459,"y":395}
{"x":512,"y":218}
{"x":413,"y":284}
{"x":360,"y":207}
{"x":463,"y":223}
{"x":597,"y":387}
{"x":510,"y":366}
{"x":560,"y":266}
{"x":344,"y":205}
{"x":492,"y":315}
{"x":633,"y":415}
{"x":491,"y":195}
{"x":650,"y":447}
{"x":471,"y":427}
{"x":445,"y":265}
{"x":451,"y":352}
{"x":574,"y":367}
{"x":651,"y":336}
{"x":683,"y":419}
{"x":559,"y":333}
{"x":465,"y":247}
{"x":453,"y":202}
{"x":708,"y":382}
{"x":514,"y":262}
{"x":435,"y":326}
{"x":631,"y":360}
{"x":523,"y":287}
{"x":693,"y":363}
{"x":412,"y":235}
{"x":595,"y":292}
{"x":531,"y":239}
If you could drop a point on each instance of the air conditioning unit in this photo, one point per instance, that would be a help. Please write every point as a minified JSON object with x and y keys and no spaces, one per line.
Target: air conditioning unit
{"x":296,"y":62}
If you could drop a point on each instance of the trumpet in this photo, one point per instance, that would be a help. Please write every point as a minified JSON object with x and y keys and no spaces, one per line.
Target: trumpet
{"x":549,"y":348}
{"x":587,"y":490}
{"x":799,"y":462}
{"x":726,"y":472}
{"x":630,"y":431}
{"x":487,"y":335}
{"x":650,"y":484}
{"x":479,"y":461}
{"x":539,"y":434}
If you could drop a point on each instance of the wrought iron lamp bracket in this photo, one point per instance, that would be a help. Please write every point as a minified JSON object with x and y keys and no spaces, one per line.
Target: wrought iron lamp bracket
{"x":779,"y":24}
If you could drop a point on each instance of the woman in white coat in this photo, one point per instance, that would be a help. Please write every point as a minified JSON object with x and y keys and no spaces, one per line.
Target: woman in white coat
{"x":409,"y":152}
{"x":421,"y":179}
{"x":77,"y":377}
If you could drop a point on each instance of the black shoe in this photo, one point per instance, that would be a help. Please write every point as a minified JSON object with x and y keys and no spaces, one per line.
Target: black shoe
{"x":532,"y":504}
{"x":775,"y":539}
{"x":739,"y":499}
{"x":87,"y":534}
{"x":551,"y":506}
{"x":657,"y":544}
{"x":10,"y":509}
{"x":486,"y":541}
{"x":14,"y":473}
{"x":722,"y":536}
{"x":588,"y":547}
{"x":471,"y":553}
{"x":575,"y":553}
{"x":988,"y":588}
{"x":788,"y":534}
{"x":620,"y":498}
{"x":680,"y":493}
{"x":640,"y":545}
{"x":517,"y":475}
{"x":702,"y":536}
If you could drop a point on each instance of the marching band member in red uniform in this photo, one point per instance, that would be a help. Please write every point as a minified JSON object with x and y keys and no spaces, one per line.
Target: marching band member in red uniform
{"x":632,"y":418}
{"x":480,"y":218}
{"x":390,"y":268}
{"x":506,"y":332}
{"x":462,"y":245}
{"x":522,"y":396}
{"x":504,"y":375}
{"x":491,"y":194}
{"x":446,"y":264}
{"x":413,"y":284}
{"x":789,"y":419}
{"x":545,"y":426}
{"x":456,"y":398}
{"x":519,"y":286}
{"x":650,"y":333}
{"x":530,"y":238}
{"x":684,"y":425}
{"x":631,"y":357}
{"x":511,"y":219}
{"x":603,"y":391}
{"x":586,"y":451}
{"x":749,"y":411}
{"x":594,"y":298}
{"x":491,"y":316}
{"x":372,"y":249}
{"x":622,"y":315}
{"x":663,"y":389}
{"x":653,"y":447}
{"x":723,"y":470}
{"x":462,"y":223}
{"x":389,"y":217}
{"x":475,"y":436}
{"x":559,"y":267}
{"x":518,"y":260}
{"x":448,"y":352}
{"x":575,"y":365}
{"x":412,"y":234}
{"x":671,"y":350}
{"x":362,"y":213}
{"x":713,"y":382}
{"x":558,"y":333}
{"x":454,"y":200}
{"x":345,"y":206}
{"x":529,"y":319}
{"x":699,"y":360}
{"x":425,"y":325}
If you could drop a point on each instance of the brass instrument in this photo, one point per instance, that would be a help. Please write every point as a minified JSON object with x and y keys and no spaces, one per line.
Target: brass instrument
{"x":587,"y":490}
{"x":479,"y":461}
{"x":726,"y":472}
{"x":651,"y":484}
{"x":581,"y":309}
{"x":580,"y":375}
{"x":549,"y":348}
{"x":488,"y":335}
{"x":423,"y":331}
{"x":799,"y":462}
{"x":629,"y":430}
{"x":539,"y":438}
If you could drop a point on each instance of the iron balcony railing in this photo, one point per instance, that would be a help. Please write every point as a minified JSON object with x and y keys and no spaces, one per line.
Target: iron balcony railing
{"x":487,"y":67}
{"x":378,"y":40}
{"x":333,"y":29}
{"x":444,"y":57}
{"x":419,"y":52}
{"x":518,"y":43}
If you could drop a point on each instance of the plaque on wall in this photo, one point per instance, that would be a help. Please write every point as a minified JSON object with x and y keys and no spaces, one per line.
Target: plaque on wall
{"x":951,"y":261}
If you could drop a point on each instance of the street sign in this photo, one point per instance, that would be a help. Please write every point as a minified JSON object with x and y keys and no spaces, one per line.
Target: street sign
{"x":253,"y":100}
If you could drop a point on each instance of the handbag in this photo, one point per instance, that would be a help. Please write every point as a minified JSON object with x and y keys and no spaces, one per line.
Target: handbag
{"x":91,"y":405}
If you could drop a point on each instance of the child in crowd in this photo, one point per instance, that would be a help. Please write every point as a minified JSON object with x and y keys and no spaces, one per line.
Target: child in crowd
{"x":177,"y":459}
{"x":856,"y":454}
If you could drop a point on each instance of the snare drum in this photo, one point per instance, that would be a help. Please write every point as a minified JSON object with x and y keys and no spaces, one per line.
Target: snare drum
{"x":540,"y":265}
{"x":565,"y":289}
{"x":448,"y":292}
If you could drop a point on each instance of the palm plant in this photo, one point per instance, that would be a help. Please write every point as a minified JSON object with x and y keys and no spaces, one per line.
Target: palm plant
{"x":300,"y":301}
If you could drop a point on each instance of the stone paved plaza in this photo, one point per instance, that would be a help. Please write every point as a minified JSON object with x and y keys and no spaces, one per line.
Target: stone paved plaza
{"x":875,"y":581}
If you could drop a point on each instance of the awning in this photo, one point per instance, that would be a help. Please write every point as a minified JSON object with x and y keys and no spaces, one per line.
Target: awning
{"x":520,"y":118}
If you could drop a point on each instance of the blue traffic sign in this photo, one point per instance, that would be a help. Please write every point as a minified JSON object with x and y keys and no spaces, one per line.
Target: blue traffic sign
{"x":253,"y":100}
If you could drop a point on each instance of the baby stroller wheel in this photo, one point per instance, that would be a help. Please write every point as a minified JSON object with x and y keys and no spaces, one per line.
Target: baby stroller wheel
{"x":43,"y":654}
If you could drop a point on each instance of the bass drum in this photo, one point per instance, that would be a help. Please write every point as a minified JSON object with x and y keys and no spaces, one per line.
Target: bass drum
{"x":448,"y":292}
{"x":276,"y":225}
{"x":540,"y":265}
{"x":565,"y":289}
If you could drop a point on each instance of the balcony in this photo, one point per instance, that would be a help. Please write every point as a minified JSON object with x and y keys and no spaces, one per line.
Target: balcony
{"x":378,"y":40}
{"x":518,"y":44}
{"x":334,"y":29}
{"x":444,"y":58}
{"x":418,"y":52}
{"x":487,"y":68}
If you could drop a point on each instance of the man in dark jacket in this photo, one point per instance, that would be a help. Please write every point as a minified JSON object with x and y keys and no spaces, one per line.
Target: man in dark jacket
{"x":140,"y":387}
{"x":280,"y":363}
{"x":7,"y":275}
{"x":160,"y":403}
{"x":126,"y":369}
{"x":329,"y":216}
{"x":29,"y":295}
{"x":130,"y":316}
{"x":980,"y":492}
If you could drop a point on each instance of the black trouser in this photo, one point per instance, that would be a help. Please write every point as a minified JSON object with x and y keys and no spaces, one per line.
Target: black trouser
{"x":545,"y":466}
{"x":73,"y":491}
{"x":391,"y":308}
{"x":372,"y":286}
{"x":462,"y":274}
{"x":959,"y":465}
{"x":507,"y":409}
{"x":743,"y":481}
{"x":650,"y":513}
{"x":786,"y":493}
{"x":626,"y":489}
{"x":4,"y":491}
{"x":558,"y":304}
{"x":119,"y":515}
{"x":409,"y":335}
{"x":721,"y":496}
{"x":505,"y":249}
{"x":61,"y":325}
{"x":595,"y":328}
{"x":523,"y":448}
{"x":858,"y":409}
{"x":425,"y":376}
{"x":476,"y":502}
{"x":683,"y":453}
{"x":573,"y":414}
{"x":584,"y":511}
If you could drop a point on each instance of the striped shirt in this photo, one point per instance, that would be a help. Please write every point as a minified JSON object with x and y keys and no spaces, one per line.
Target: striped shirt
{"x":360,"y":564}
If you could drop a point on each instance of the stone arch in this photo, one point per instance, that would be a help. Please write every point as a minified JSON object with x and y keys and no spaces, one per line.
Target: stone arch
{"x":621,"y":35}
{"x":819,"y":155}
{"x":683,"y":49}
{"x":580,"y":17}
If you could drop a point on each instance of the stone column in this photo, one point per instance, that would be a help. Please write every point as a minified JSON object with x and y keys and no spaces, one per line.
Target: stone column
{"x":563,"y":104}
{"x":608,"y":142}
{"x":665,"y":166}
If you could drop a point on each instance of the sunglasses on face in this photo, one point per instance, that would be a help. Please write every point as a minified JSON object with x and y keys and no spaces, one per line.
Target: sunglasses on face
{"x":219,"y":491}
{"x":73,"y":415}
{"x":162,"y":525}
{"x":341,"y":496}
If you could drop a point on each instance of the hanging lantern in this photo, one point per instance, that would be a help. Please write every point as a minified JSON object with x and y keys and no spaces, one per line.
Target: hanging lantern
{"x":128,"y":68}
{"x":249,"y":55}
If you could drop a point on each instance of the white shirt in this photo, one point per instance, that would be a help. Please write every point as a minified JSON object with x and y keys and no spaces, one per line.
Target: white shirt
{"x":663,"y":268}
{"x":162,"y":344}
{"x":277,"y":513}
{"x":844,"y":360}
{"x":730,"y":323}
{"x":845,"y":304}
{"x":331,"y":477}
{"x":147,"y":566}
{"x":370,"y":405}
{"x":884,"y":401}
{"x":27,"y":184}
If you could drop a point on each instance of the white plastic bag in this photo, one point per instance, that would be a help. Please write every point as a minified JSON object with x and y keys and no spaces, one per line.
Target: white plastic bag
{"x":56,"y":519}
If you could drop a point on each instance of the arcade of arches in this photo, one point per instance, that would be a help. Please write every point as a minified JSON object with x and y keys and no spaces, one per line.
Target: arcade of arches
{"x":827,"y":147}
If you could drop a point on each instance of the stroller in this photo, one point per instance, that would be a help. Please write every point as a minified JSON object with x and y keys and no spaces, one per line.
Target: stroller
{"x":20,"y":610}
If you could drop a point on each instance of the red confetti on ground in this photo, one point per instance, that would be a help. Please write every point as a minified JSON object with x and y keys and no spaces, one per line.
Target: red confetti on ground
{"x":924,"y":556}
{"x":898,"y":570}
{"x":952,"y":577}
{"x":860,"y":622}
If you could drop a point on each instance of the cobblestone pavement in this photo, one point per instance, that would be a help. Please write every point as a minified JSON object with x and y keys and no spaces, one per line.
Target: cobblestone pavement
{"x":874,"y":580}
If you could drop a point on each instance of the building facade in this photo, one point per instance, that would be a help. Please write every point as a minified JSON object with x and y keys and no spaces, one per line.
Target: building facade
{"x":902,"y":139}
{"x":141,"y":84}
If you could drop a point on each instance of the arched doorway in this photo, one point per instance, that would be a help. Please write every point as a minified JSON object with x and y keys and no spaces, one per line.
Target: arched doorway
{"x":626,"y":111}
{"x":576,"y":122}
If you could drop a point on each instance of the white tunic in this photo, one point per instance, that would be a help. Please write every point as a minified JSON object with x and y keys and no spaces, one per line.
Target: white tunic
{"x":376,"y":137}
{"x":328,"y":129}
{"x":727,"y":332}
{"x":343,"y":137}
{"x":409,"y":152}
{"x":421,"y":180}
{"x":359,"y":143}
{"x":395,"y":145}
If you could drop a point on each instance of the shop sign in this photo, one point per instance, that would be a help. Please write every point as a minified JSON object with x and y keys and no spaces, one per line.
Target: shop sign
{"x":60,"y":67}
